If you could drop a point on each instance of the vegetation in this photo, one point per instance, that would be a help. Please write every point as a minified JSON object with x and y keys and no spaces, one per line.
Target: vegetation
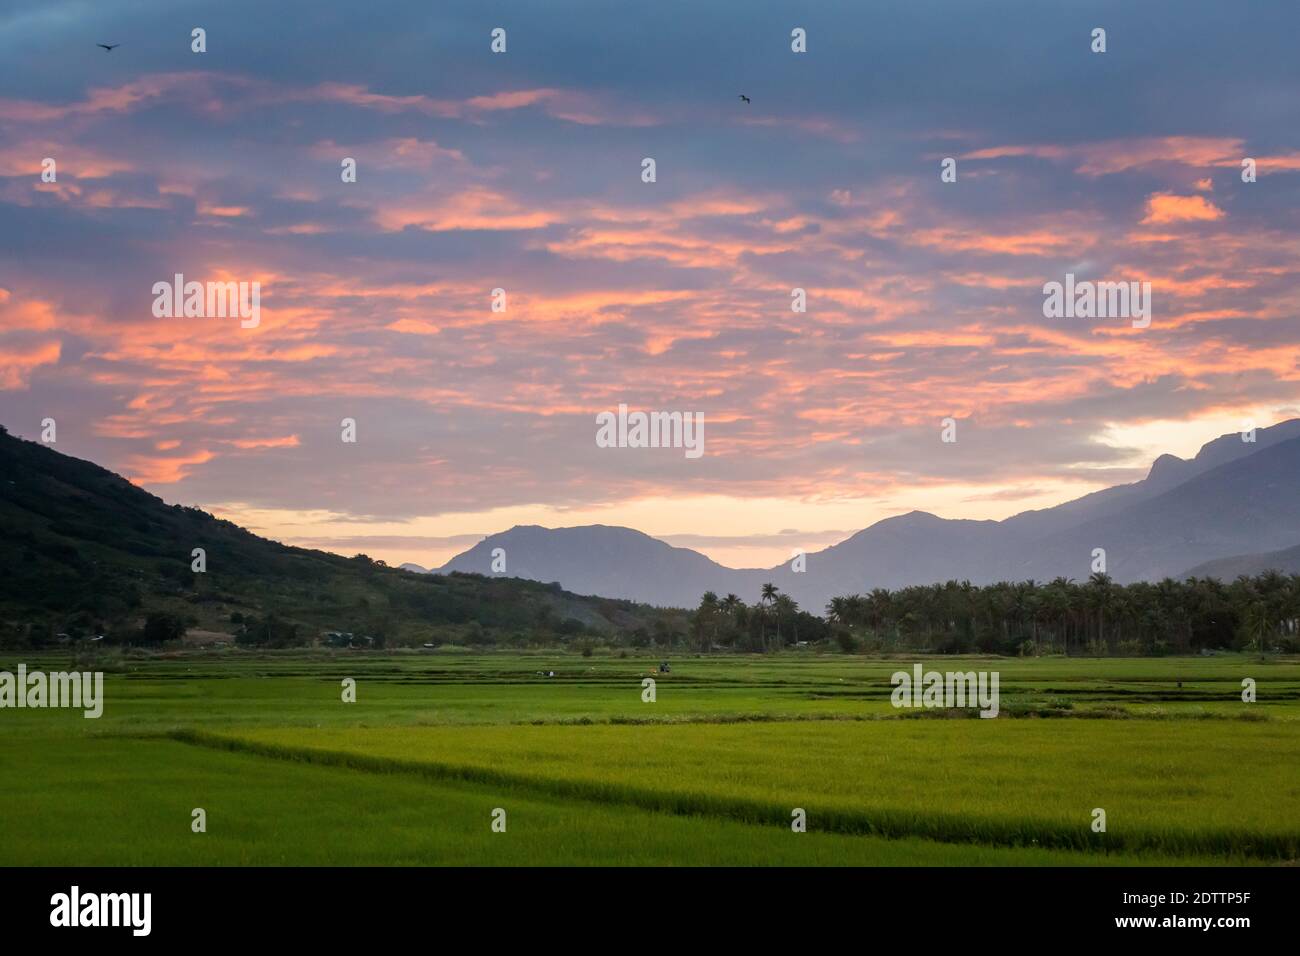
{"x":1099,"y":617}
{"x":774,"y":622}
{"x":87,"y":554}
{"x":589,"y":773}
{"x":1063,"y":617}
{"x":275,"y":813}
{"x":1164,"y":789}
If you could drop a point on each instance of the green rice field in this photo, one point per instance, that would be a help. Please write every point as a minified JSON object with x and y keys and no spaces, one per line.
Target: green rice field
{"x":583,"y":771}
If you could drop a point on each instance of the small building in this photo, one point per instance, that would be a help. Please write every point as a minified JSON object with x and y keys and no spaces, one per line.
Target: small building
{"x":347,"y":639}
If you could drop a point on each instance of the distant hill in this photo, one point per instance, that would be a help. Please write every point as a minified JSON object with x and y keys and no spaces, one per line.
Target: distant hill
{"x":1229,"y":569}
{"x":1234,"y":497}
{"x":603,"y":560}
{"x":85,"y":551}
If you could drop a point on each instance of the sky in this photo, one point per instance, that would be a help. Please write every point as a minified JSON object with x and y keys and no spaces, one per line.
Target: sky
{"x":523,"y":171}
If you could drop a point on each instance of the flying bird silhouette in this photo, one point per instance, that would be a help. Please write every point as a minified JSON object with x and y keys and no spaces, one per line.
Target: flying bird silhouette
{"x":744,"y":97}
{"x":108,"y":47}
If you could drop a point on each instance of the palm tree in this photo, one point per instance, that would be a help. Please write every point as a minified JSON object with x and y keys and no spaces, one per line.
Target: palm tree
{"x":706,"y":619}
{"x":877,"y":607}
{"x":1021,"y":601}
{"x":1058,"y":597}
{"x":765,"y":599}
{"x":785,"y":605}
{"x":1256,"y":625}
{"x":1100,"y":596}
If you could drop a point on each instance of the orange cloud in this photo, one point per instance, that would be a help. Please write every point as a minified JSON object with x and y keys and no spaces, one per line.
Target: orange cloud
{"x":17,"y":362}
{"x":1167,"y":207}
{"x":1115,"y":156}
{"x":229,"y":212}
{"x":194,"y":88}
{"x":71,"y":161}
{"x":285,"y":441}
{"x":512,"y":100}
{"x":146,"y":470}
{"x":473,"y":208}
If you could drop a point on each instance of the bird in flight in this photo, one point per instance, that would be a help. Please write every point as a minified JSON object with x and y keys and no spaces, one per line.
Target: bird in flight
{"x":744,"y":97}
{"x":108,"y":47}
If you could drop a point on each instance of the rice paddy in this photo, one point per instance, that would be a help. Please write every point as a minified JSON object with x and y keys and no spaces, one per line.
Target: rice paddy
{"x":714,"y":770}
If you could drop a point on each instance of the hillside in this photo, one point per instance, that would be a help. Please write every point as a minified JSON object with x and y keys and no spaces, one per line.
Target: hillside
{"x":1286,"y":561}
{"x":85,"y":551}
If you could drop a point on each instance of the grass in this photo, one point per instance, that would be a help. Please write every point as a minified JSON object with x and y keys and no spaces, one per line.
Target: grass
{"x":997,"y":782}
{"x":709,"y":773}
{"x":116,"y":801}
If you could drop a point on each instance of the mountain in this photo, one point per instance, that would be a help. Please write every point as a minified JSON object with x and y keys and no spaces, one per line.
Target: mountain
{"x":1247,"y":504}
{"x":83,"y":550}
{"x":603,"y":560}
{"x":1229,"y":569}
{"x":1167,"y":472}
{"x":1233,"y":497}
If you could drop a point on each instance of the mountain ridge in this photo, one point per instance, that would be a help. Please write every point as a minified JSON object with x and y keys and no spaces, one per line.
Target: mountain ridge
{"x":1161,"y":525}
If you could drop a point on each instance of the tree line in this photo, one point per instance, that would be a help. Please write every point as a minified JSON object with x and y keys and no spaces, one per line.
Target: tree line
{"x":773,"y":622}
{"x":1094,"y":617}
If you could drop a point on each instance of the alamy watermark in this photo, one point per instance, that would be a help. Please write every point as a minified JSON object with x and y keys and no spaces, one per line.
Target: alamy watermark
{"x":923,"y":688}
{"x":1098,"y":300}
{"x":626,"y":429}
{"x":211,"y":300}
{"x":133,"y":910}
{"x":38,"y":689}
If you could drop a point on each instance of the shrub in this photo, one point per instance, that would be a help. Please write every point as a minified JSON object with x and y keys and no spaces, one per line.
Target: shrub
{"x":161,"y":627}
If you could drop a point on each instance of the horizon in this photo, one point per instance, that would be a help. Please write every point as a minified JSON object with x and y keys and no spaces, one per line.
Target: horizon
{"x":467,"y":542}
{"x":376,"y":299}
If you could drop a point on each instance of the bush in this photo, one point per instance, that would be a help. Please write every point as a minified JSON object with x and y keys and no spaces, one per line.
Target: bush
{"x":161,"y":627}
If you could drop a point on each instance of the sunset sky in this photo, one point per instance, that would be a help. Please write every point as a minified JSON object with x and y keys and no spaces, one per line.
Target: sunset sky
{"x":522,"y":171}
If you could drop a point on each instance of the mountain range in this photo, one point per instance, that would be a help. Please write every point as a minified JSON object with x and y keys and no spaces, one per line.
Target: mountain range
{"x":79,"y":540}
{"x":1233,"y":508}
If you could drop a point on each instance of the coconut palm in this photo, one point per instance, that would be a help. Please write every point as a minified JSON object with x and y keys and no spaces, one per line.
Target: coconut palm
{"x":766,"y":597}
{"x":785,"y":607}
